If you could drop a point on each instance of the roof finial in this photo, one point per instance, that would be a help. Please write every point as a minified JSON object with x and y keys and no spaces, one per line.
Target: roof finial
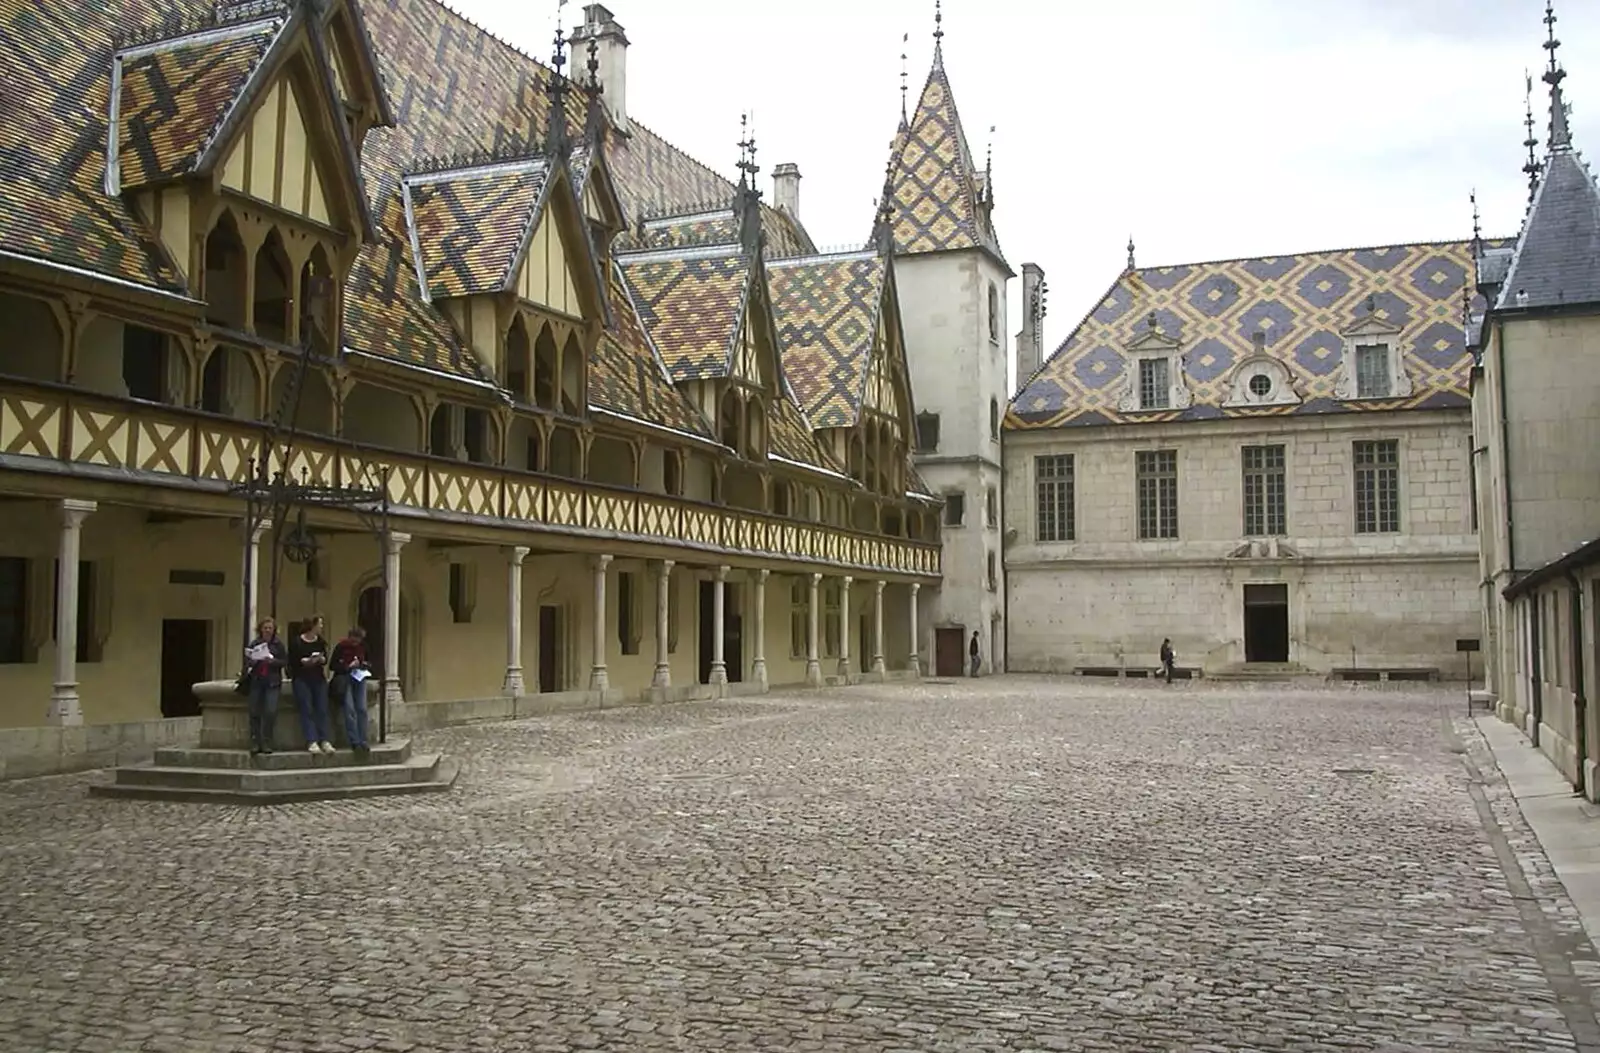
{"x":1131,"y":264}
{"x":1560,"y":136}
{"x":557,"y":88}
{"x":938,"y":25}
{"x":1533,"y":167}
{"x":988,"y":168}
{"x":1477,"y":224}
{"x":904,"y":42}
{"x":594,"y":121}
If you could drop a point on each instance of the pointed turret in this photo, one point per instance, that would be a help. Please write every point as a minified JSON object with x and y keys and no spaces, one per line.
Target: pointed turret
{"x":1557,"y":258}
{"x":936,"y":192}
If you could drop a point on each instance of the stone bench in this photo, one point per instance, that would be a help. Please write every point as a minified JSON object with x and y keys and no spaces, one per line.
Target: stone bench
{"x":1137,"y":672}
{"x":1384,"y":674}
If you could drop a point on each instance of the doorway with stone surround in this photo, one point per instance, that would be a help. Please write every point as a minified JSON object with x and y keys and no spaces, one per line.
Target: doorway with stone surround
{"x":1266,"y":623}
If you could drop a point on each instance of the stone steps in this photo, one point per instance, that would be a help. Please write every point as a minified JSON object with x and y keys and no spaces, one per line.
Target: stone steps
{"x":1264,"y":671}
{"x":395,"y":751}
{"x":324,"y":779}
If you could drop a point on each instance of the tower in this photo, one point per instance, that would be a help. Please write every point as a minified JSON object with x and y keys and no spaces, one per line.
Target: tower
{"x":952,"y":277}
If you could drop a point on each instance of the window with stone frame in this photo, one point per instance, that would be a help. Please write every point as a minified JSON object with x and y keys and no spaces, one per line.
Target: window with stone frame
{"x":13,"y":610}
{"x":1265,"y":497}
{"x":628,"y":619}
{"x":991,"y":509}
{"x":927,"y":432}
{"x":994,"y":313}
{"x":1054,"y":511}
{"x":955,"y":509}
{"x":830,"y":619}
{"x":990,"y":578}
{"x":1377,"y":479}
{"x":994,"y":420}
{"x":1156,"y":472}
{"x":799,"y":617}
{"x":1155,"y":383}
{"x":463,"y":586}
{"x":1372,"y":371}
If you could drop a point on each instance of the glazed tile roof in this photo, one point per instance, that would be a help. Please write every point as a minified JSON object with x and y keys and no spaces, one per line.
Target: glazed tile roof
{"x":626,"y":376}
{"x":175,"y":96}
{"x":470,"y":229}
{"x":826,"y":310}
{"x":1557,"y":258}
{"x":1301,"y":304}
{"x":691,"y":302}
{"x":933,"y":184}
{"x":790,"y":436}
{"x":697,"y":228}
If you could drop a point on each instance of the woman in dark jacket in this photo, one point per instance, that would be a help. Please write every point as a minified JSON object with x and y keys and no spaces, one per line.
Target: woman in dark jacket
{"x":350,"y":657}
{"x":308,"y":664}
{"x":264,"y":660}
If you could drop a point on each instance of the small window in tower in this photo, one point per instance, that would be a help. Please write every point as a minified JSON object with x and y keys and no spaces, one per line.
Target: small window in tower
{"x":927,"y":432}
{"x":994,"y":313}
{"x":994,"y":420}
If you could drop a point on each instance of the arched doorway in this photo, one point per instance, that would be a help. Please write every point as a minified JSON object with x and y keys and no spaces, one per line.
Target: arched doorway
{"x":369,"y":615}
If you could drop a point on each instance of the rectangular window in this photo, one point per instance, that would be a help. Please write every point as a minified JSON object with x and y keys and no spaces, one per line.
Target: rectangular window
{"x":830,"y":620}
{"x":627,"y":613}
{"x":991,"y":509}
{"x":1372,"y":371}
{"x":1157,"y":473}
{"x":13,"y":610}
{"x":799,"y":617}
{"x":144,"y":363}
{"x":993,"y":582}
{"x":1155,"y":383}
{"x":462,"y":593}
{"x":1264,"y":500}
{"x":927,"y":432}
{"x":1377,"y":486}
{"x":955,"y":509}
{"x":1053,"y":498}
{"x":87,"y":651}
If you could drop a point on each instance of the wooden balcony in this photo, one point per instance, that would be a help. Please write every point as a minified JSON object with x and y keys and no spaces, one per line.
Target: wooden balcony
{"x":66,"y":429}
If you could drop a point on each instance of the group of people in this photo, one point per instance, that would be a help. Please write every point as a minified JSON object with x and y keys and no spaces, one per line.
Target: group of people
{"x":308,"y":663}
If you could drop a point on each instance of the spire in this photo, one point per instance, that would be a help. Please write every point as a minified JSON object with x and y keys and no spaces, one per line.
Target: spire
{"x":1477,"y":225}
{"x":988,"y":170}
{"x":938,"y":31}
{"x":904,"y":41}
{"x":1131,"y":265}
{"x":594,"y":121}
{"x":747,"y":201}
{"x":1533,"y":167}
{"x":883,"y":223}
{"x":557,"y":88}
{"x":1560,"y":136}
{"x":1467,"y":287}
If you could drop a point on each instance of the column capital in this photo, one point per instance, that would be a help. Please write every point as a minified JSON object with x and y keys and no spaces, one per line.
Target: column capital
{"x":762,"y":575}
{"x":517,"y":553}
{"x":915,"y":588}
{"x":73,"y":511}
{"x":601,"y":562}
{"x":849,"y":580}
{"x":260,"y":531}
{"x":720,"y":573}
{"x":663,"y":567}
{"x":394,"y":541}
{"x":878,"y":585}
{"x":816,"y":579}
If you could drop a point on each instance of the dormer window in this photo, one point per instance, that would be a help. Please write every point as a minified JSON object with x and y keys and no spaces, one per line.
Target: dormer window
{"x":1153,"y":374}
{"x":1373,"y":366}
{"x":1261,"y":380}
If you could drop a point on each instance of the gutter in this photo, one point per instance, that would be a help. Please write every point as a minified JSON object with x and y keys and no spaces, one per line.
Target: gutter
{"x":1505,"y":448}
{"x":1580,"y":703}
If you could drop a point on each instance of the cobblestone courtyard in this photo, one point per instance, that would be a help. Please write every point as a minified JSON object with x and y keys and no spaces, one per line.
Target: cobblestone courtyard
{"x":1006,"y":864}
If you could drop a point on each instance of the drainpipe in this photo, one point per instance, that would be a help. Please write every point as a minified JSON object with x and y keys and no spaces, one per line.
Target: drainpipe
{"x":1505,"y":446}
{"x":1535,"y":672}
{"x":1580,"y":704}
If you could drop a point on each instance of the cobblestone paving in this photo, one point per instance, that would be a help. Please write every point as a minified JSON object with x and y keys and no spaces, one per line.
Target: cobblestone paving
{"x":1007,"y":864}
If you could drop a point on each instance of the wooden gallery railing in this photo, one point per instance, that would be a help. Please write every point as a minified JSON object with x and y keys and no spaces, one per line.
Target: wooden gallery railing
{"x":164,"y":445}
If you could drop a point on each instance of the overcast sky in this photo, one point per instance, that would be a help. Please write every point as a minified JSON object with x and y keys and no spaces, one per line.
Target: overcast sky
{"x":1207,"y":130}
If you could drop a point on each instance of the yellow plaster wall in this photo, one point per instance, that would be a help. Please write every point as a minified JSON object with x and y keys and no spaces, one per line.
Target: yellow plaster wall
{"x":273,"y":160}
{"x":546,"y":277}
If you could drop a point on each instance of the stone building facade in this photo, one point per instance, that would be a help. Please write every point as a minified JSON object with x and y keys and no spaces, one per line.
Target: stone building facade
{"x":1264,"y":460}
{"x":631,"y":434}
{"x":1536,"y":418}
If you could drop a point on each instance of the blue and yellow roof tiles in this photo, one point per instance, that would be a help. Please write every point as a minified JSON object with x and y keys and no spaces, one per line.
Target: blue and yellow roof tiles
{"x":826,"y":309}
{"x":1300,"y":305}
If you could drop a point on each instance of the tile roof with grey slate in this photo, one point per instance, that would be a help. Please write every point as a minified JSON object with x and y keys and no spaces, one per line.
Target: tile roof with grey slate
{"x":1557,"y":259}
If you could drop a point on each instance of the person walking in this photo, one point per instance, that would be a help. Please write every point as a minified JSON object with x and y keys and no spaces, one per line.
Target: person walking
{"x":1167,"y":658}
{"x":974,"y":655}
{"x":308,"y":664}
{"x":264,"y":659}
{"x":350,"y":676}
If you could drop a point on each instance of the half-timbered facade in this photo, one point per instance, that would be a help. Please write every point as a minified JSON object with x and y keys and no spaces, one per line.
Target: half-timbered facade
{"x":630,"y":429}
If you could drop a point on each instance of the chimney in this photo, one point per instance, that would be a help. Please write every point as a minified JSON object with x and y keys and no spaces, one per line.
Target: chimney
{"x":612,"y":53}
{"x":1030,"y":341}
{"x":786,"y":188}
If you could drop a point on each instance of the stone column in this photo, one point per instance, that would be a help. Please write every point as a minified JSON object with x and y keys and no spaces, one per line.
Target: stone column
{"x":813,"y":665}
{"x":719,"y":608}
{"x":758,"y":662}
{"x":252,"y":585}
{"x":663,"y":677}
{"x":877,"y":628}
{"x":598,"y":678}
{"x":514,"y":685}
{"x":391,"y":617}
{"x":913,"y":664}
{"x":844,"y":627}
{"x":65,"y":709}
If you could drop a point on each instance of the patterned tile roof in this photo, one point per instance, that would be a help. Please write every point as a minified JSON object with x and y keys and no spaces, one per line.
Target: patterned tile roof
{"x":826,"y":310}
{"x":175,"y":97}
{"x":697,"y":228}
{"x":626,"y":376}
{"x":470,"y":231}
{"x":791,"y":437}
{"x":1557,"y":259}
{"x":1302,"y":304}
{"x":933,"y":183}
{"x":691,"y":302}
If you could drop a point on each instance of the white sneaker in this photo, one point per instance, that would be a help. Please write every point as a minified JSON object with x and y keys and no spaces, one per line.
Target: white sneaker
{"x":312,"y":748}
{"x":327,"y":747}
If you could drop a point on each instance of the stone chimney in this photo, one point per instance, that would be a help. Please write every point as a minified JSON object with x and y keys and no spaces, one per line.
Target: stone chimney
{"x":786,"y":188}
{"x":1030,"y":341}
{"x":612,"y":53}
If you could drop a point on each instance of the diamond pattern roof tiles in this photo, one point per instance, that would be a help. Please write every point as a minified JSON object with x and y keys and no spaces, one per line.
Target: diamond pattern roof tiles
{"x":470,"y":230}
{"x":691,"y":303}
{"x":826,"y":310}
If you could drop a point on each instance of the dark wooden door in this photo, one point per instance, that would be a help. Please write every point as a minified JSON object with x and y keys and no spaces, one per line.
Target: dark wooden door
{"x":549,"y":649}
{"x":707,"y":597}
{"x":369,"y":615}
{"x":185,"y":662}
{"x":949,"y":656}
{"x":864,"y":654}
{"x":1266,"y":623}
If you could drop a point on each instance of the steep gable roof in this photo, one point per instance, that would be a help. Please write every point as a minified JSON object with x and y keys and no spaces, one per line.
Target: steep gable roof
{"x":933,"y":185}
{"x":628,"y":377}
{"x":691,"y":302}
{"x":1557,"y":258}
{"x":1301,"y":304}
{"x":827,"y":312}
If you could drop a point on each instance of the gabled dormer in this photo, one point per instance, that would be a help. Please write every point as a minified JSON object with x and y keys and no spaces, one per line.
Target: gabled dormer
{"x":503,"y":249}
{"x":355,"y":70}
{"x":602,"y":207}
{"x":1372,"y":366}
{"x":1153,"y":378}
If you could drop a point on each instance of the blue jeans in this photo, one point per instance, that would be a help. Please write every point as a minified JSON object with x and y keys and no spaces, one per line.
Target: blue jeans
{"x":355,"y":713}
{"x":311,"y":698}
{"x":263,"y":708}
